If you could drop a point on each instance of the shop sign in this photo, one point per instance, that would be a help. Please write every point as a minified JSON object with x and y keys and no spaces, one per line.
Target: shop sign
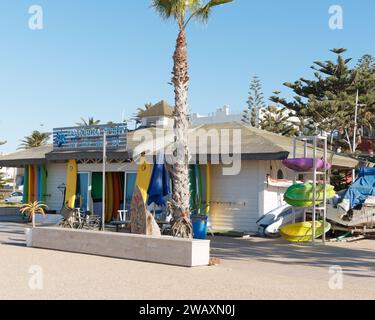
{"x":90,"y":138}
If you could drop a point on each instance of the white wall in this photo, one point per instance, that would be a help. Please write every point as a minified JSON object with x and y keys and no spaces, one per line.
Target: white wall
{"x":273,"y":196}
{"x":243,"y":188}
{"x":56,"y":176}
{"x":221,"y":115}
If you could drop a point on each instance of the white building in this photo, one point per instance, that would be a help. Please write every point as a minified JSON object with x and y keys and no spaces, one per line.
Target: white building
{"x":236,"y":201}
{"x":160,"y":115}
{"x":222,"y":115}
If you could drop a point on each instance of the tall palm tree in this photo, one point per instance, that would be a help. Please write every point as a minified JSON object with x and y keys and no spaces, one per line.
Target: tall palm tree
{"x":88,"y":123}
{"x":183,"y":12}
{"x":36,"y":139}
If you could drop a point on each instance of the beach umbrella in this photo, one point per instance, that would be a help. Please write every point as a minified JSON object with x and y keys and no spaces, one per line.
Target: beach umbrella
{"x":159,"y":187}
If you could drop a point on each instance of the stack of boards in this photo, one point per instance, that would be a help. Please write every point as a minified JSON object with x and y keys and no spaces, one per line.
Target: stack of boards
{"x":35,"y":183}
{"x":114,"y":189}
{"x":200,"y":199}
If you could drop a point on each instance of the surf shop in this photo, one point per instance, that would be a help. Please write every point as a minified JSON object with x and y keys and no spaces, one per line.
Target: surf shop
{"x":73,"y":165}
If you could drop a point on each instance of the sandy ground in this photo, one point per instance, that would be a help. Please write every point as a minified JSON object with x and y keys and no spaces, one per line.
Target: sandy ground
{"x":250,"y":269}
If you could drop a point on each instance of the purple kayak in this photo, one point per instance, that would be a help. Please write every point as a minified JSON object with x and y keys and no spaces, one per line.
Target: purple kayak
{"x":305,"y":164}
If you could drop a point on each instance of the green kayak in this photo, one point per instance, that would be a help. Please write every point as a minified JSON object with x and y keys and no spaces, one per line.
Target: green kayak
{"x":301,"y":195}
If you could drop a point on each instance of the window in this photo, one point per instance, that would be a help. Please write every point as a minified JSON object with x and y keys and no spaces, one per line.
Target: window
{"x":130,"y":180}
{"x":280,"y":174}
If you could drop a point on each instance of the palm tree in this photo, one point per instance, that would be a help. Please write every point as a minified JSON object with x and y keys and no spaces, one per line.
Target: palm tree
{"x":88,"y":123}
{"x":136,"y":117}
{"x":33,"y":208}
{"x":182,"y":11}
{"x":2,"y":180}
{"x":36,"y":139}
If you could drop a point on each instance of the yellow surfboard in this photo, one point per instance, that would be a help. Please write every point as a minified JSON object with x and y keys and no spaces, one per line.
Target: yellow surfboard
{"x":71,"y":184}
{"x":144,"y":177}
{"x":208,"y":188}
{"x":109,"y":197}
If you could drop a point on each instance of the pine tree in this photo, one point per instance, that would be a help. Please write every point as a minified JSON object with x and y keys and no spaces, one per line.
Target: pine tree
{"x":328,"y":101}
{"x":275,"y":119}
{"x":255,"y":103}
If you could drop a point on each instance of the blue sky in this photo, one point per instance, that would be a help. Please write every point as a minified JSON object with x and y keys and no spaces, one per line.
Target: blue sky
{"x":100,"y":57}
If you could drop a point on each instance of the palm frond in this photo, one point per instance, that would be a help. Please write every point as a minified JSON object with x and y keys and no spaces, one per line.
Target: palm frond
{"x":203,"y":12}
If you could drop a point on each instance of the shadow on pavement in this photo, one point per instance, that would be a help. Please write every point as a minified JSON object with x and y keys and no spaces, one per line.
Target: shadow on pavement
{"x":359,"y":261}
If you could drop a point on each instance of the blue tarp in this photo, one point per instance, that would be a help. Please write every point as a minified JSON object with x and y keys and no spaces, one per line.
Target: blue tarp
{"x":362,"y":188}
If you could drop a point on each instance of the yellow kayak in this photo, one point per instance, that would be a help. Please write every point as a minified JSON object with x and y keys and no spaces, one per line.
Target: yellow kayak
{"x":303,"y":232}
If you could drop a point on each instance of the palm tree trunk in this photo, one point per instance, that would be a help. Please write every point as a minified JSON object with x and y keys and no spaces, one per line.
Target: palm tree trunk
{"x":180,"y":202}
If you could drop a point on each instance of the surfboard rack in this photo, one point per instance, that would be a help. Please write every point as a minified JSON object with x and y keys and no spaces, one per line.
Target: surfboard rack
{"x":312,"y":143}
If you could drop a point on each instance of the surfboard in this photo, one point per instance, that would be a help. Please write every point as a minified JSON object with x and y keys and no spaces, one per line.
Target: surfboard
{"x":109,"y":197}
{"x":198,"y":178}
{"x":208,"y":188}
{"x":193,"y":189}
{"x":71,"y":184}
{"x":143,"y":178}
{"x":31,"y":184}
{"x":43,"y":183}
{"x":26,"y":185}
{"x":116,"y":194}
{"x":37,"y":183}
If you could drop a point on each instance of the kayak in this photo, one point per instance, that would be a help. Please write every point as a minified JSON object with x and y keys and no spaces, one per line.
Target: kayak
{"x":301,"y":195}
{"x":303,"y":232}
{"x":269,"y":225}
{"x":305,"y":164}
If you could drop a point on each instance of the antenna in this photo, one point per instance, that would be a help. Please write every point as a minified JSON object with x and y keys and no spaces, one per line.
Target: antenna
{"x":123,"y":116}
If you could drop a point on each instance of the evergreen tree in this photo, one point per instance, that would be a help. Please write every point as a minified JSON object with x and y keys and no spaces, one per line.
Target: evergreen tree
{"x":365,"y":83}
{"x":277,"y":120}
{"x":329,"y":100}
{"x":255,"y":103}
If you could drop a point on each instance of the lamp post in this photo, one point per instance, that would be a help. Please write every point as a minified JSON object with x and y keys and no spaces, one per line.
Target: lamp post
{"x":357,"y":106}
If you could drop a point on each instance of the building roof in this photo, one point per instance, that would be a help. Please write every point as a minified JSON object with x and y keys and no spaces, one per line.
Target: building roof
{"x":161,"y":109}
{"x":28,"y":156}
{"x":254,"y":144}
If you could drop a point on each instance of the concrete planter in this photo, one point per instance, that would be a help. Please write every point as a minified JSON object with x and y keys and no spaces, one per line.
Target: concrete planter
{"x":165,"y":250}
{"x":9,"y":211}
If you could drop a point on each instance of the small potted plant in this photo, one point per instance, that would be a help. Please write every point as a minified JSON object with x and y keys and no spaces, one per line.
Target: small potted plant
{"x":33,"y":208}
